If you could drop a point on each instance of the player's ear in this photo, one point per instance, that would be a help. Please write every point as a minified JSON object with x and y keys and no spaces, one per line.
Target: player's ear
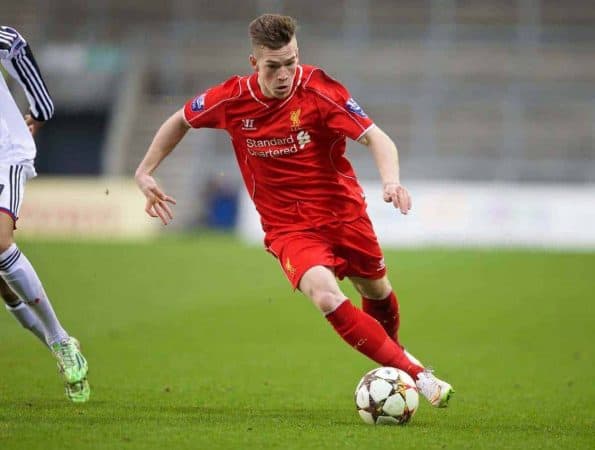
{"x":253,"y":62}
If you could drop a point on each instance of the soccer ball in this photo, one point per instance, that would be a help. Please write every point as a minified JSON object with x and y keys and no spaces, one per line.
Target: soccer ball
{"x":386,"y":396}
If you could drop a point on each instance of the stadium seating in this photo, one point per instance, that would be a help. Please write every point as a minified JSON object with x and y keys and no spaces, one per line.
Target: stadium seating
{"x":467,"y":88}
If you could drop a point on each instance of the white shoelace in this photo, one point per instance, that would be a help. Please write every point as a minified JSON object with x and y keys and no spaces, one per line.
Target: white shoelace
{"x":67,"y":354}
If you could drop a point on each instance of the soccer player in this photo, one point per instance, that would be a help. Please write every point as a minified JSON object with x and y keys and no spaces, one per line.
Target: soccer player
{"x":20,"y":286}
{"x":288,"y":125}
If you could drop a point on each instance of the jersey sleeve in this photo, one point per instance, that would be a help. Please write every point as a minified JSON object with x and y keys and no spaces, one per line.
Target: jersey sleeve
{"x":339,"y":109}
{"x":18,"y":60}
{"x":207,"y":110}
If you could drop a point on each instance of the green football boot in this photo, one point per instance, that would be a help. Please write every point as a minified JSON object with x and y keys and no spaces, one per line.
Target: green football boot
{"x":71,"y":362}
{"x":78,"y":392}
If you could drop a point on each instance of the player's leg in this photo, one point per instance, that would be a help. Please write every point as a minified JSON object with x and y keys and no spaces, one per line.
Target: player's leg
{"x":308,"y":262}
{"x":357,"y":328}
{"x":19,"y":275}
{"x":380,"y":301}
{"x":366,"y":270}
{"x":21,"y":312}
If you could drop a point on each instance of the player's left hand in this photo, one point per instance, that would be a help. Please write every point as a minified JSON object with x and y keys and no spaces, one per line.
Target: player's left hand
{"x":397,"y":195}
{"x":157,"y":200}
{"x":32,"y":124}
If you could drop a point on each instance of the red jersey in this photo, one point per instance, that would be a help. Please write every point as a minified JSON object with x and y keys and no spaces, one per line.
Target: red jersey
{"x":291,"y":151}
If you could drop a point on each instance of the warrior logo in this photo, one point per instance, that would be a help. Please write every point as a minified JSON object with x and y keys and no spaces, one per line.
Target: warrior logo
{"x":248,"y":124}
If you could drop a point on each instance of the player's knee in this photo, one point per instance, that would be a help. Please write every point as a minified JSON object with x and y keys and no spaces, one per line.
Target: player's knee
{"x":374,"y":289}
{"x":5,"y":242}
{"x":327,"y":301}
{"x":377,"y":292}
{"x":4,"y":246}
{"x":6,"y":232}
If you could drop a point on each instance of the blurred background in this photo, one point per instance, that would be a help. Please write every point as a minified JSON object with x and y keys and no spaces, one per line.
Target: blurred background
{"x":491,"y":103}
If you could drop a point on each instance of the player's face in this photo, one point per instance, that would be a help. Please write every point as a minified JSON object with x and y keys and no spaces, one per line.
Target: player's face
{"x":276,"y":69}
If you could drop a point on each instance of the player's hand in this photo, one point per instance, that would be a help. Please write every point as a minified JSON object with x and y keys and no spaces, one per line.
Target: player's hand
{"x":32,"y":124}
{"x":397,"y":195}
{"x":157,"y":200}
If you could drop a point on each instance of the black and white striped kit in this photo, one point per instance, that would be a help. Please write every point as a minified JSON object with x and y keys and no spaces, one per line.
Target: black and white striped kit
{"x":16,"y":56}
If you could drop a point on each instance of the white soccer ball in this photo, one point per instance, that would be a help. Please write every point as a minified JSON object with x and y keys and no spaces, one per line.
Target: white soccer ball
{"x":386,"y":396}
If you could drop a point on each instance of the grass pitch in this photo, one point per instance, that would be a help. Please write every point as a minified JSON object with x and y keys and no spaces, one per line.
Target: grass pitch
{"x":198,"y":342}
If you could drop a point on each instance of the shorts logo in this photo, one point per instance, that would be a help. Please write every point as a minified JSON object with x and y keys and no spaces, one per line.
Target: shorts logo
{"x":381,"y":265}
{"x":294,"y":117}
{"x":289,"y":268}
{"x":352,"y":106}
{"x":248,"y":124}
{"x":198,"y":103}
{"x":303,"y":138}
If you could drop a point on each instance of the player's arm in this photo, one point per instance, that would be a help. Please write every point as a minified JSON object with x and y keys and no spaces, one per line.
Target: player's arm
{"x":386,"y":157}
{"x":168,"y":136}
{"x":18,"y":60}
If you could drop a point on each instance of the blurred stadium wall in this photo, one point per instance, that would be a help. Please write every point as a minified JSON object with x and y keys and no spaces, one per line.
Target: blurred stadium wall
{"x":497,"y":92}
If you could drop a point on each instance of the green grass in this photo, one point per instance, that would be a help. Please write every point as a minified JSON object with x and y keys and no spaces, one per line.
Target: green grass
{"x":198,"y":342}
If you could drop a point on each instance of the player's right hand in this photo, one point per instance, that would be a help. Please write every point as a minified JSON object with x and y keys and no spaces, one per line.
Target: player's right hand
{"x":157,"y":200}
{"x":32,"y":124}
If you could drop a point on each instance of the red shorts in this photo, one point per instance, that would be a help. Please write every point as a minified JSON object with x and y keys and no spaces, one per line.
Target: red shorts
{"x":349,"y":249}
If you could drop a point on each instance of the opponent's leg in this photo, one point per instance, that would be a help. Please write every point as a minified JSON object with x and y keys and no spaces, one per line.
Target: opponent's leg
{"x":18,"y":274}
{"x":21,"y":312}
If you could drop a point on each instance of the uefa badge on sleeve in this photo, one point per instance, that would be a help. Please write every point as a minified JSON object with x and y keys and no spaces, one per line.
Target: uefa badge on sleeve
{"x":198,"y":103}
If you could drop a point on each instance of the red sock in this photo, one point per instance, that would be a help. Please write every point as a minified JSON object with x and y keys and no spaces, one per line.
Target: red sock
{"x":386,"y":312}
{"x":367,"y":336}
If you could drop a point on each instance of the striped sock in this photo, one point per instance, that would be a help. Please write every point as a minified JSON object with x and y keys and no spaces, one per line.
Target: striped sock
{"x":20,"y":276}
